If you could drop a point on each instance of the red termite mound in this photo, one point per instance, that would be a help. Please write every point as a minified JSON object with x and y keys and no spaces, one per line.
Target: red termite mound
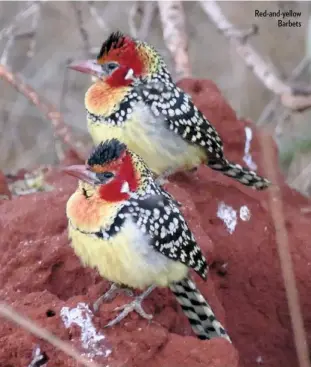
{"x":41,"y":277}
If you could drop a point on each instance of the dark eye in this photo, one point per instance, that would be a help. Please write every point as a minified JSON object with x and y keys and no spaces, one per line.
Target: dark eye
{"x":104,"y":176}
{"x":110,"y":66}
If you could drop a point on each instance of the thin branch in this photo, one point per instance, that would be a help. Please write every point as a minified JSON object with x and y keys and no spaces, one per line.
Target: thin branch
{"x":145,"y":10}
{"x":98,"y":18}
{"x":302,"y":181}
{"x":9,"y":313}
{"x":83,"y":32}
{"x":299,"y":69}
{"x":34,"y":30}
{"x":277,"y":210}
{"x":7,"y":47}
{"x":175,"y":36}
{"x":135,"y":9}
{"x":9,"y":32}
{"x":23,"y":14}
{"x":64,"y":87}
{"x":294,"y":98}
{"x":60,"y":128}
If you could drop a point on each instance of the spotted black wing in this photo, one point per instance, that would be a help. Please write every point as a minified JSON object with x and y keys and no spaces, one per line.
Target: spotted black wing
{"x":177,"y":108}
{"x":159,"y":217}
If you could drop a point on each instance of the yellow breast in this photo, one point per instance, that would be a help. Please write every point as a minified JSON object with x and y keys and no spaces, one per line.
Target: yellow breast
{"x":123,"y":259}
{"x":127,"y":257}
{"x":160,"y":148}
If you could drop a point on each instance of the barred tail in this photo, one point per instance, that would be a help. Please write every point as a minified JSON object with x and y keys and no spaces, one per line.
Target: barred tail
{"x":239,"y":173}
{"x":198,"y":311}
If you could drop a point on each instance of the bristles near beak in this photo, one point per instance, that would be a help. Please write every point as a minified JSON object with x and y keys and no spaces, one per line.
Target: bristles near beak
{"x":129,"y":75}
{"x":82,"y":173}
{"x":125,"y":187}
{"x":87,"y":67}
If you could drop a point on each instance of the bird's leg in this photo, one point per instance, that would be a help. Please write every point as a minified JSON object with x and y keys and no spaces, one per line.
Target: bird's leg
{"x":135,"y":305}
{"x":114,"y":290}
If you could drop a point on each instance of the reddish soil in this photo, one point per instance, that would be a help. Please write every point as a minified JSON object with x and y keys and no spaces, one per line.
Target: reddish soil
{"x":40,"y":275}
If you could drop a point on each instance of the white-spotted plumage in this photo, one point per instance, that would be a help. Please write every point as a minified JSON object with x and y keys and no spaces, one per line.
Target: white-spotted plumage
{"x":153,"y":210}
{"x":156,"y":99}
{"x":158,"y":246}
{"x":165,"y":236}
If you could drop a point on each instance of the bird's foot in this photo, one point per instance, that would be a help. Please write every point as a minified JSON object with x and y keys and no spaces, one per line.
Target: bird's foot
{"x":135,"y":305}
{"x":114,"y":290}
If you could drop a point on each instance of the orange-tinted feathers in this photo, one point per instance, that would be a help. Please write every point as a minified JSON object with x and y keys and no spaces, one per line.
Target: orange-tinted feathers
{"x":102,"y":99}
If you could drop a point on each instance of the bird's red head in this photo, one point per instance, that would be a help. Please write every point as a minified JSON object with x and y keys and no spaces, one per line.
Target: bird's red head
{"x":118,"y":62}
{"x":109,"y":171}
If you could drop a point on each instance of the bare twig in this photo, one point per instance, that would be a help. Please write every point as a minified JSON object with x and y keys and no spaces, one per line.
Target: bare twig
{"x":34,"y":29}
{"x":302,"y":181}
{"x":7,"y":47}
{"x":9,"y":313}
{"x":64,"y":87}
{"x":60,"y":128}
{"x":175,"y":36}
{"x":293,"y":98}
{"x":23,"y":14}
{"x":33,"y":9}
{"x":98,"y":18}
{"x":84,"y":35}
{"x":276,"y":208}
{"x":299,"y":69}
{"x":145,"y":10}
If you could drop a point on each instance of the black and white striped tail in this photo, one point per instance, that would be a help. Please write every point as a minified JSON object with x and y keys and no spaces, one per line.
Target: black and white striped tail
{"x":198,"y":311}
{"x":239,"y":173}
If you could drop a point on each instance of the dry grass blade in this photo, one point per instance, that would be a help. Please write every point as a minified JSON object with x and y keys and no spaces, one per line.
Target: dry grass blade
{"x":10,"y":314}
{"x":276,"y":208}
{"x":60,"y":128}
{"x":293,"y":98}
{"x":175,"y":36}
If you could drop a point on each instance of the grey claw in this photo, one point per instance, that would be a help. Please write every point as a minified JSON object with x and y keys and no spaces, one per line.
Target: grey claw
{"x":135,"y":305}
{"x":111,"y":294}
{"x":128,"y":308}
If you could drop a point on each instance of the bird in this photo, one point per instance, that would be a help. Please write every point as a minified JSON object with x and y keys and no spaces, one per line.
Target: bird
{"x":135,"y":100}
{"x":124,"y":224}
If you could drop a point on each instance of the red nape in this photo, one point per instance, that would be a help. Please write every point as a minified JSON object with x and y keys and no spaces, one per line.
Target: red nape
{"x":112,"y":191}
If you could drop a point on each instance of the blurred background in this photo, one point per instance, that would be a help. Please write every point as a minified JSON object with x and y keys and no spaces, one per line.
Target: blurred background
{"x":38,"y":39}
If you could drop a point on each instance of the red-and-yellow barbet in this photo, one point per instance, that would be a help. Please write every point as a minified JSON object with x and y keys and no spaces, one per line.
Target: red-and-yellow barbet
{"x":136,"y":101}
{"x":124,"y":224}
